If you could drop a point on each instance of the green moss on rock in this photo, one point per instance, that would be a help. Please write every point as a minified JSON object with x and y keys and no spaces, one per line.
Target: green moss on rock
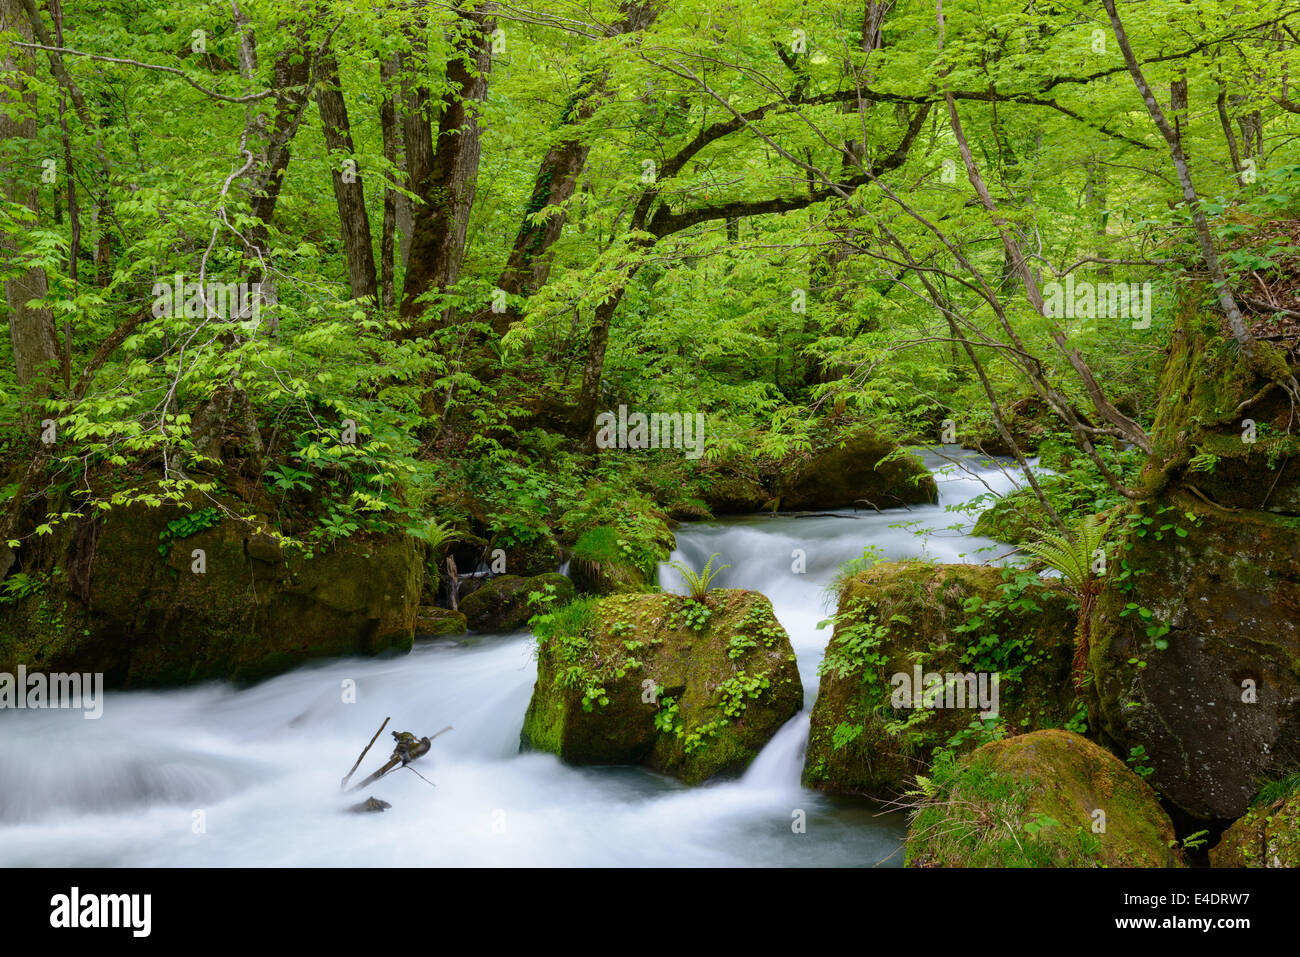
{"x":1215,"y":699}
{"x":1267,"y":836}
{"x":732,"y":489}
{"x":861,"y":467}
{"x":688,"y":689}
{"x":621,"y":557}
{"x":139,"y":610}
{"x":948,"y":619}
{"x":433,"y":622}
{"x":539,"y":556}
{"x":1033,"y":800}
{"x":501,"y":603}
{"x":1196,"y":641}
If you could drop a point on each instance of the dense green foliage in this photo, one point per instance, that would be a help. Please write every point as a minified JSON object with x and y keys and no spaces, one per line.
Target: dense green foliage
{"x":774,"y":203}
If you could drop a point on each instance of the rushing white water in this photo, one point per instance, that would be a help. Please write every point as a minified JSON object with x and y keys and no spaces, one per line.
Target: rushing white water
{"x":215,"y":775}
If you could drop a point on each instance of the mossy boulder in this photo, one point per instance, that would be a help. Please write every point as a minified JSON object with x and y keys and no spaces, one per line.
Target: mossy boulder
{"x":1196,"y":646}
{"x":501,"y":603}
{"x":858,"y":468}
{"x":689,"y":510}
{"x":1223,"y":421}
{"x":613,"y":559}
{"x":434,"y":622}
{"x":1214,"y":701}
{"x":538,"y":556}
{"x":946,"y":620}
{"x":1046,"y":799}
{"x":732,"y":489}
{"x":1265,"y":836}
{"x":690,"y":689}
{"x":168,"y":595}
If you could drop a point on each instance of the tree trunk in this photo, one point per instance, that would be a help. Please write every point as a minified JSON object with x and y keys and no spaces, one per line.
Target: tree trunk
{"x":31,"y":330}
{"x":529,"y":263}
{"x":291,"y":79}
{"x":388,"y":71}
{"x":447,"y":188}
{"x":349,"y":193}
{"x":594,"y":367}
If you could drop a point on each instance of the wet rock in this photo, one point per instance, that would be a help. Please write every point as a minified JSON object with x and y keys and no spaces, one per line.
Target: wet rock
{"x":168,"y":596}
{"x":502,"y":603}
{"x":372,"y":805}
{"x":967,"y":620}
{"x":1196,"y":647}
{"x":861,"y":469}
{"x":612,"y":559}
{"x":433,"y":622}
{"x":1265,"y":836}
{"x":691,"y":689}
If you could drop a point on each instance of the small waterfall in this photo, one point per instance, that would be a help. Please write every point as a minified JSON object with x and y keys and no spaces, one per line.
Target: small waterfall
{"x":780,"y":764}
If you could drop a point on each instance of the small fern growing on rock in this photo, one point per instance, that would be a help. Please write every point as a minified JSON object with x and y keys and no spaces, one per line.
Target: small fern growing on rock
{"x":699,"y":584}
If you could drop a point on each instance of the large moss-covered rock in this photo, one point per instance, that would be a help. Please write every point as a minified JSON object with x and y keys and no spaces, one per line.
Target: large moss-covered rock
{"x":1265,"y":836}
{"x":687,"y":688}
{"x":166,"y":595}
{"x":858,"y":468}
{"x":434,"y":622}
{"x":1215,"y":701}
{"x":948,"y":620}
{"x":1033,"y":800}
{"x":732,"y":489}
{"x":501,"y":603}
{"x":1196,"y":648}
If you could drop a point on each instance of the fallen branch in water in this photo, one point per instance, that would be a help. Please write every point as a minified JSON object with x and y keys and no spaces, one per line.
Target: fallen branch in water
{"x":409,"y":747}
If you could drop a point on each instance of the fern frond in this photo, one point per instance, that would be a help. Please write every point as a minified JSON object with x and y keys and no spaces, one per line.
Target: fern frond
{"x":698,"y":585}
{"x":1072,"y":557}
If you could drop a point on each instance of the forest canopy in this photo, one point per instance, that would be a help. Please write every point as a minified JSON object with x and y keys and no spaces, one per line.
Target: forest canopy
{"x":367,"y":266}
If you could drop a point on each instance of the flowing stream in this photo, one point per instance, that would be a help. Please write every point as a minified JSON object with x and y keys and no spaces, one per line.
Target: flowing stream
{"x":217,"y":775}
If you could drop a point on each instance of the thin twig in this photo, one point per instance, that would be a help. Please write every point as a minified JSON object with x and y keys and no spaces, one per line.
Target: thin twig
{"x":362,"y":757}
{"x":151,"y":66}
{"x":419,"y":775}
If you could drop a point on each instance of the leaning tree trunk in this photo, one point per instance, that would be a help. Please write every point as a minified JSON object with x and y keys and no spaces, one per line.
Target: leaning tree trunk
{"x":348,"y":192}
{"x":529,"y":263}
